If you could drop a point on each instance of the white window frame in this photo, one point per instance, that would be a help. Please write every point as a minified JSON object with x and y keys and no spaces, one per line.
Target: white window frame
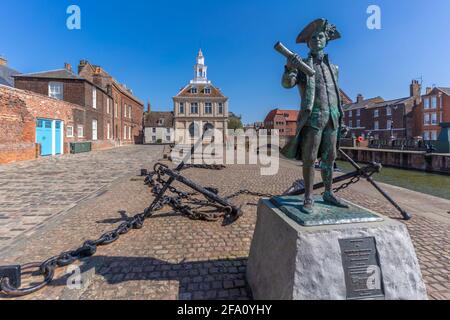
{"x":129,"y":133}
{"x":194,"y":106}
{"x":376,"y":113}
{"x":376,"y":125}
{"x":426,"y":119}
{"x":56,"y":94}
{"x":358,"y":123}
{"x":350,"y":114}
{"x":434,"y":118}
{"x":194,"y":90}
{"x":108,"y":131}
{"x":433,"y":135}
{"x":358,"y":112}
{"x":108,"y":105}
{"x":389,"y":124}
{"x":389,"y":111}
{"x":80,"y":131}
{"x":426,"y":103}
{"x":129,"y":111}
{"x":433,"y":102}
{"x":207,"y":90}
{"x":94,"y":98}
{"x":125,"y":110}
{"x":69,"y":132}
{"x":208,"y":105}
{"x":94,"y":130}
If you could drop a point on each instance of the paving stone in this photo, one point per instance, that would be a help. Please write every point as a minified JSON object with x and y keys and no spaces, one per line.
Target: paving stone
{"x":209,"y":260}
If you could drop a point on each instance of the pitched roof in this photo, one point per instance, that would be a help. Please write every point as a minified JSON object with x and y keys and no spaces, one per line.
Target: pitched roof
{"x":390,"y":102}
{"x":88,"y":70}
{"x":152,"y":119}
{"x":289,"y":115}
{"x":367,"y":103}
{"x":345,"y":98}
{"x":186,"y":91}
{"x":445,"y":90}
{"x":52,"y":74}
{"x":6,"y":75}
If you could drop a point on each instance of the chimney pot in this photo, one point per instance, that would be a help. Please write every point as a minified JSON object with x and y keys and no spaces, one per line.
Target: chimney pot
{"x":68,"y":66}
{"x":428,"y":90}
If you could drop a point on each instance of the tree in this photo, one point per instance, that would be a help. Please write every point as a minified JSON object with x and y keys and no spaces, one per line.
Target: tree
{"x":235,"y":122}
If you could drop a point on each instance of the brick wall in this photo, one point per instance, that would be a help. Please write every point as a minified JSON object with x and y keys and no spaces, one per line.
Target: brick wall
{"x":19,"y":110}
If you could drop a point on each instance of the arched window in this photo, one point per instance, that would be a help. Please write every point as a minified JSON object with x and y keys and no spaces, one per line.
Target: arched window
{"x":194,"y":129}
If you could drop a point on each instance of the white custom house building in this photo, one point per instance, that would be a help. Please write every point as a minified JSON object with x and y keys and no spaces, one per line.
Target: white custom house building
{"x":199,"y":106}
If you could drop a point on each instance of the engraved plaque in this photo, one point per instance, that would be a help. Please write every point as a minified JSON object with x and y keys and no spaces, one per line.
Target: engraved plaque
{"x":363,"y":277}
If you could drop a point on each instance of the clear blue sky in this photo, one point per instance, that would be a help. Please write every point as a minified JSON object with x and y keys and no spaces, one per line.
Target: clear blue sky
{"x":151,"y":45}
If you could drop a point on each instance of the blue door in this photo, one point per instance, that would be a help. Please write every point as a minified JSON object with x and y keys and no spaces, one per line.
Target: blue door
{"x":44,"y":136}
{"x":58,"y":137}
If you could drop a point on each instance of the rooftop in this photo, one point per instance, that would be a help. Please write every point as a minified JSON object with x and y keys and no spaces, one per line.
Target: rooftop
{"x":52,"y":74}
{"x":289,"y":115}
{"x":152,"y":119}
{"x":364,"y":104}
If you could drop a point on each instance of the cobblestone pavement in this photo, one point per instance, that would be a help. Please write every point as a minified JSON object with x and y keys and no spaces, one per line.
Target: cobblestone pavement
{"x":33,"y":192}
{"x":173,"y":257}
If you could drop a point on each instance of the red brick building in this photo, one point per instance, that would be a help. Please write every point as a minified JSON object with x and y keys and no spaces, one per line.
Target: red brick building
{"x":285,"y":121}
{"x":383,"y":119}
{"x":433,"y":110}
{"x":63,"y":84}
{"x":19,"y":114}
{"x":127,"y":110}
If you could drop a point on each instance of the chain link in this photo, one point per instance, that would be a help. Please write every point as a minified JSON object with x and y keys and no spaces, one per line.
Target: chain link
{"x":190,"y":210}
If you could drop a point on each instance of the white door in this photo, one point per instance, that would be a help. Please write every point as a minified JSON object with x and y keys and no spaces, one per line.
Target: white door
{"x":94,"y":130}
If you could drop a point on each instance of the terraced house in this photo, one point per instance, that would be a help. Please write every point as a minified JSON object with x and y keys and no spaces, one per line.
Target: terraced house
{"x":126,"y":111}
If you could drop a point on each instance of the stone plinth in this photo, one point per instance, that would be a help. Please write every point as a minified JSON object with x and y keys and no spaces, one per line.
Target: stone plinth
{"x":366,"y":260}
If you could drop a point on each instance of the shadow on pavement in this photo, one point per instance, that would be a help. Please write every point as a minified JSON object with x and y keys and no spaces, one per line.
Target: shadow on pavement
{"x":209,"y":279}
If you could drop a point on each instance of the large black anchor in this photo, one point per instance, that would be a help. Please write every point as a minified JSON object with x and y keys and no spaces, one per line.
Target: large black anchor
{"x":298,"y":188}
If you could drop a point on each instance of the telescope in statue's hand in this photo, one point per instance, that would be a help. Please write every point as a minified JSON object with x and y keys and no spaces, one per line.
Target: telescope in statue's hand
{"x":298,"y":63}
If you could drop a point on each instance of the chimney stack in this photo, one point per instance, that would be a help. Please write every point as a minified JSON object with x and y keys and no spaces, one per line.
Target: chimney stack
{"x":359,"y":98}
{"x":415,"y":89}
{"x":82,"y":64}
{"x":68,"y":66}
{"x":428,"y":90}
{"x":149,"y":107}
{"x":3,"y":61}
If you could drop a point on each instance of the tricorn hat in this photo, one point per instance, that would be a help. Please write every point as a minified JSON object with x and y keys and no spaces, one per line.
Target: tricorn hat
{"x":321,"y":25}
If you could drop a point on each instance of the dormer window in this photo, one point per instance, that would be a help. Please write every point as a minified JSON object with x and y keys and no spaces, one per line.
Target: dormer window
{"x":194,"y":91}
{"x":161,"y":122}
{"x":207,"y":90}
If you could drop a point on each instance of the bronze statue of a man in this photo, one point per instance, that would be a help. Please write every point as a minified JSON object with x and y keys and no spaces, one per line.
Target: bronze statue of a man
{"x":320,"y":119}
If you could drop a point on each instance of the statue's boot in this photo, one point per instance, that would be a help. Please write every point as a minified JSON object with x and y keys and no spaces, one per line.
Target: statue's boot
{"x":308,"y":206}
{"x":332,"y":200}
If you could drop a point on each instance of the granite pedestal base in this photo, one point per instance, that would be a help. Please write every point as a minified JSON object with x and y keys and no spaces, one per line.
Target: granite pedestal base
{"x":352,"y":260}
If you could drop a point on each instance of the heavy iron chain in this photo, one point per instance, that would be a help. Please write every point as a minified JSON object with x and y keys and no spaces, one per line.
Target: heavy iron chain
{"x":47,"y":268}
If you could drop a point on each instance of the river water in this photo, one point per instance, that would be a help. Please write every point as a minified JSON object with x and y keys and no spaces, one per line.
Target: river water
{"x":429,"y":183}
